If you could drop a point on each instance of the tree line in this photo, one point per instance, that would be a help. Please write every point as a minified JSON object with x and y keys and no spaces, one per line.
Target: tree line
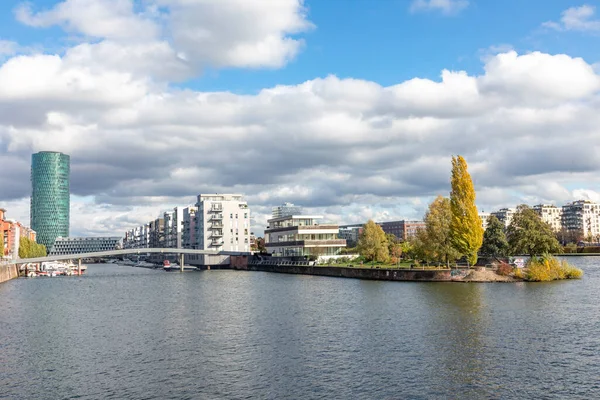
{"x":453,"y":231}
{"x":29,"y":248}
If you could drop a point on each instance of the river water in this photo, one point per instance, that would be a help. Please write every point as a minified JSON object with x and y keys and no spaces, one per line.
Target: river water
{"x":130,"y":333}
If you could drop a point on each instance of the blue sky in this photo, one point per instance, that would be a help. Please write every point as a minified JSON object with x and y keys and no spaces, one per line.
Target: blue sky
{"x":339,"y":106}
{"x":381,"y":41}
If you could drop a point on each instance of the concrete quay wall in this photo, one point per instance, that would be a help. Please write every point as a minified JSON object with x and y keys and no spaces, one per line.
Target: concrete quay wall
{"x":359,"y":273}
{"x":8,"y":272}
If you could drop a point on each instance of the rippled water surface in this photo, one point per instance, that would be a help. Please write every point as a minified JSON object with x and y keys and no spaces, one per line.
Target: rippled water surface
{"x":128,"y":333}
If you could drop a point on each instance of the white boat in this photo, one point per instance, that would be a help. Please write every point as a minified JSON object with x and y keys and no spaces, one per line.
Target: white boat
{"x":144,"y":264}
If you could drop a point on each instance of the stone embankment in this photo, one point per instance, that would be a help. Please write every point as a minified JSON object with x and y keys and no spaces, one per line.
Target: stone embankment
{"x":420,"y":275}
{"x":385,"y":274}
{"x":8,"y":272}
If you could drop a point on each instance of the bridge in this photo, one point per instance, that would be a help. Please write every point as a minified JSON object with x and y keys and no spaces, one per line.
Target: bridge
{"x":122,"y":252}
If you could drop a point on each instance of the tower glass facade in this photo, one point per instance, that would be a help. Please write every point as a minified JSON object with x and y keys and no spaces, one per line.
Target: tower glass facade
{"x":50,"y":202}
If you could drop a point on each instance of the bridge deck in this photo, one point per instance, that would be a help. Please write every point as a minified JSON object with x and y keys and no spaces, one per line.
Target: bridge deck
{"x":122,"y":252}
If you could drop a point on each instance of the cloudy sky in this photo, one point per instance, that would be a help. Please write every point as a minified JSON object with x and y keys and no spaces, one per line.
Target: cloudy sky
{"x":350,"y":108}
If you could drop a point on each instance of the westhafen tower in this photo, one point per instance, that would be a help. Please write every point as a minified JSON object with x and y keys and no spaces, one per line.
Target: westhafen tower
{"x":50,"y":202}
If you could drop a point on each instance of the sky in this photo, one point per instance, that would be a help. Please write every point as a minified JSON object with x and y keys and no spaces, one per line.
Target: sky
{"x":352,"y":109}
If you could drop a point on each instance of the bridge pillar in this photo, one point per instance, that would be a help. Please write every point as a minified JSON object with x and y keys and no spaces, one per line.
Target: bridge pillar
{"x":181,"y":260}
{"x":79,"y":267}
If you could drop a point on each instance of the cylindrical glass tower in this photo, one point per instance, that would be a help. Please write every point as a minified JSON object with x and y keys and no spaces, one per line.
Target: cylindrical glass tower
{"x":50,"y":201}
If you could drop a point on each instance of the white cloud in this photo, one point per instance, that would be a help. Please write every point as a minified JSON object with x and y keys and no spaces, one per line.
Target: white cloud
{"x":174,"y":39}
{"x":237,"y":33}
{"x":528,"y":125}
{"x":576,"y":19}
{"x":111,"y":19}
{"x":7,"y":47}
{"x":447,"y":7}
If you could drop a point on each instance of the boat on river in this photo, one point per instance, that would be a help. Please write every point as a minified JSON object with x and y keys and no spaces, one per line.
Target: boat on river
{"x":167,"y":266}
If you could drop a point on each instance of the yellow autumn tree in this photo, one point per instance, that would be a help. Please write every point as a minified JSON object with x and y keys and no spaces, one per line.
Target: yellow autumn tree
{"x":465,"y":228}
{"x":373,"y":244}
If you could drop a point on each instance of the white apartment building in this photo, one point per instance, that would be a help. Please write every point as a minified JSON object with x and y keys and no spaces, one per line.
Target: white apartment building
{"x":484,"y":219}
{"x":222,"y":224}
{"x":174,"y":228}
{"x":505,"y":215}
{"x":582,"y":216}
{"x":301,"y":235}
{"x":550,"y":214}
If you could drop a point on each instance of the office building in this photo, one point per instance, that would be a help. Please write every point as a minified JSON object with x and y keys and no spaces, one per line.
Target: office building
{"x":403,"y":230}
{"x":50,"y":202}
{"x":350,"y":233}
{"x":78,"y":245}
{"x":301,"y":235}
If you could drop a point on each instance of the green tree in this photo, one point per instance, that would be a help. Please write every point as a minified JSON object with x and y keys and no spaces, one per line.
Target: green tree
{"x":494,"y":239}
{"x":528,"y":234}
{"x":372,"y":243}
{"x":434,"y":242}
{"x":466,"y":229}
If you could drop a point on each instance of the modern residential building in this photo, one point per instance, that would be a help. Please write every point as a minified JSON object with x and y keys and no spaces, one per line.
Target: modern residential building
{"x":505,"y":215}
{"x":50,"y":201}
{"x":173,"y":228}
{"x":582,"y":216}
{"x":222,"y":224}
{"x":189,"y":227}
{"x":11,"y":232}
{"x":403,"y":230}
{"x":286,"y":209}
{"x":550,"y":214}
{"x":350,"y":233}
{"x":156,"y":233}
{"x":484,"y":219}
{"x":76,"y":245}
{"x":301,"y":235}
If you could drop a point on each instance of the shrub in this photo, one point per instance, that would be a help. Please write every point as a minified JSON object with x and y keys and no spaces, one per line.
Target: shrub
{"x":394,"y":260}
{"x":548,"y":268}
{"x":518,"y":273}
{"x":504,"y":269}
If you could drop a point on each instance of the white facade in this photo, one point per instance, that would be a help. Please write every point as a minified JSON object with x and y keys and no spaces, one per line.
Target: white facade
{"x":222,"y":224}
{"x":550,"y":214}
{"x":583,"y":216}
{"x":174,"y":228}
{"x":505,"y":215}
{"x":484,"y":219}
{"x":301,"y":235}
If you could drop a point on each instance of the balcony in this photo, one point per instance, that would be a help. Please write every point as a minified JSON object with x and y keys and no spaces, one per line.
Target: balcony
{"x":216,"y":242}
{"x":216,"y":225}
{"x":216,"y":217}
{"x":216,"y":233}
{"x":216,"y":208}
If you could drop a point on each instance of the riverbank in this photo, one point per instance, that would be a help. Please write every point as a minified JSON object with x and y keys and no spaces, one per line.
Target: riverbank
{"x":8,"y":272}
{"x":408,"y":275}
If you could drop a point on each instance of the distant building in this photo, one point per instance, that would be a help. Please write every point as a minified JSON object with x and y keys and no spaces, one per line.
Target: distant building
{"x":77,"y":245}
{"x":505,"y":215}
{"x":189,"y":227}
{"x":11,"y":232}
{"x":403,"y":230}
{"x":222,"y":224}
{"x":582,"y":216}
{"x":483,"y":216}
{"x":350,"y":233}
{"x":551,"y":215}
{"x":286,"y":209}
{"x":301,"y":235}
{"x":50,"y":201}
